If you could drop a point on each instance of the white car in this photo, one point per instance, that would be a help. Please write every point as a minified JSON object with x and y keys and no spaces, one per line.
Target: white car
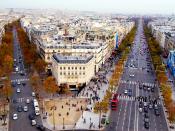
{"x":131,"y":75}
{"x":25,"y":108}
{"x":33,"y":94}
{"x":18,"y":83}
{"x":140,"y":109}
{"x":15,"y":116}
{"x":27,"y":101}
{"x":33,"y":122}
{"x":18,"y":90}
{"x":125,"y":91}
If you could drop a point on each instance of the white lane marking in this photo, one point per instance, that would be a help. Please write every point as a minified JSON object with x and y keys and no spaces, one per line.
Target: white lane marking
{"x":124,"y":115}
{"x":119,"y":114}
{"x":129,"y":116}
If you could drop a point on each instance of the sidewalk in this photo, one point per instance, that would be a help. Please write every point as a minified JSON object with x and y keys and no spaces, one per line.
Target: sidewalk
{"x":5,"y":127}
{"x":170,"y":77}
{"x":90,"y":120}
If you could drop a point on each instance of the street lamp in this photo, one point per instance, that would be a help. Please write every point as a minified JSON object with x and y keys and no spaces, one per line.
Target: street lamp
{"x":53,"y":108}
{"x":63,"y":123}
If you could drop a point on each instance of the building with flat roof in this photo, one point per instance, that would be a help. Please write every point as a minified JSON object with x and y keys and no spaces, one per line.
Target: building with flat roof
{"x":73,"y":70}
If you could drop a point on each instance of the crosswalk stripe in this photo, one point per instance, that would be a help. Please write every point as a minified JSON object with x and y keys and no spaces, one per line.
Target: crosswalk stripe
{"x":135,"y":83}
{"x":16,"y":80}
{"x":123,"y":97}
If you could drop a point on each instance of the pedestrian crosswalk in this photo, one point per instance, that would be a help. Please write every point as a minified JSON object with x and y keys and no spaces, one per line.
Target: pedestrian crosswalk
{"x":16,"y":80}
{"x":135,"y":83}
{"x":128,"y":98}
{"x":128,"y":82}
{"x":22,"y":99}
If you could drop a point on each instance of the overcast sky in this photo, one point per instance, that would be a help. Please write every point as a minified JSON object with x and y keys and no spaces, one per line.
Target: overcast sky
{"x":117,"y":6}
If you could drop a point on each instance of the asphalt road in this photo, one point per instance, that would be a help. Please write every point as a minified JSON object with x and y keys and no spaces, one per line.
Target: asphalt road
{"x":138,"y":69}
{"x":22,"y":123}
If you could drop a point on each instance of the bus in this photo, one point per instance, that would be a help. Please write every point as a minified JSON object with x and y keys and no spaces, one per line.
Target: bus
{"x":114,"y":102}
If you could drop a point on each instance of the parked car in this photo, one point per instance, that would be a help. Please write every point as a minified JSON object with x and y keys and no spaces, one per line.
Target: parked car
{"x":33,"y":122}
{"x":40,"y":127}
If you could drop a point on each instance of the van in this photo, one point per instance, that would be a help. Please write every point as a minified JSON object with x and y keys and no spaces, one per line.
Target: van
{"x":37,"y":111}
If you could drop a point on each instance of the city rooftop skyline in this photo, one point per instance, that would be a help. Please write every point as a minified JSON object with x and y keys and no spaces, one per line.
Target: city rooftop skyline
{"x":104,"y":6}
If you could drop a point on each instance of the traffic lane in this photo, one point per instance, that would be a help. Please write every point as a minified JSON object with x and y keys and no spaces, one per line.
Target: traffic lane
{"x":22,"y":123}
{"x":122,"y":116}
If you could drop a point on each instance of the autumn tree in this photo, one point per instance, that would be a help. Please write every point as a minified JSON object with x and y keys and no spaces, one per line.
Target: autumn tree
{"x":40,"y":65}
{"x":50,"y":85}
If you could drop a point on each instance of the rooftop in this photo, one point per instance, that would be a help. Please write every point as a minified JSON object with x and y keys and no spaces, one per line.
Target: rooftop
{"x":72,"y":59}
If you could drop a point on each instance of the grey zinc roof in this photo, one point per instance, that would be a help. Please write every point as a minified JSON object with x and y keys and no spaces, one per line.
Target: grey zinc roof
{"x":72,"y":59}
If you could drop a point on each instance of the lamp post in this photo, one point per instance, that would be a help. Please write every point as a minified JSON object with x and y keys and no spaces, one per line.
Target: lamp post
{"x":53,"y":108}
{"x":63,"y":123}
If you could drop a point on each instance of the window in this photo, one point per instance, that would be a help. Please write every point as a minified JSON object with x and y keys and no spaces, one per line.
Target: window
{"x":72,"y":68}
{"x":64,"y":73}
{"x":80,"y":68}
{"x":60,"y":73}
{"x":75,"y":68}
{"x":64,"y":68}
{"x":83,"y":73}
{"x":68,"y":73}
{"x":68,"y":68}
{"x":60,"y":68}
{"x":72,"y":73}
{"x":83,"y":68}
{"x":75,"y":73}
{"x":80,"y":73}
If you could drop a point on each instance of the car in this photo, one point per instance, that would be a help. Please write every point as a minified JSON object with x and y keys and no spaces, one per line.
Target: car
{"x":33,"y":122}
{"x":18,"y":90}
{"x":19,"y":108}
{"x":15,"y":116}
{"x":146,"y":115}
{"x":155,"y":106}
{"x":146,"y":125}
{"x":149,"y":89}
{"x":25,"y":108}
{"x":18,"y":82}
{"x":152,"y":89}
{"x":27,"y":101}
{"x":131,"y":75}
{"x":146,"y":119}
{"x":31,"y":117}
{"x":150,"y":106}
{"x":145,"y":109}
{"x":140,"y":109}
{"x":33,"y":94}
{"x":40,"y":127}
{"x":23,"y":83}
{"x":157,"y":112}
{"x":129,"y":92}
{"x":126,"y":92}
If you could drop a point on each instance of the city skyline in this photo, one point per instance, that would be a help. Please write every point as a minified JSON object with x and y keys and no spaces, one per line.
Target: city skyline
{"x":104,"y":6}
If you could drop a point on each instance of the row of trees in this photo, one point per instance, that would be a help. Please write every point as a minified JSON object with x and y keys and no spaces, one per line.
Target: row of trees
{"x":37,"y":66}
{"x":160,"y":71}
{"x":6,"y":67}
{"x":124,"y":50}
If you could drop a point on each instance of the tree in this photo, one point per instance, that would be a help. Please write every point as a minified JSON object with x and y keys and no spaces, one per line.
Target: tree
{"x":99,"y":108}
{"x":40,"y":65}
{"x":50,"y":85}
{"x":35,"y":82}
{"x":8,"y":64}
